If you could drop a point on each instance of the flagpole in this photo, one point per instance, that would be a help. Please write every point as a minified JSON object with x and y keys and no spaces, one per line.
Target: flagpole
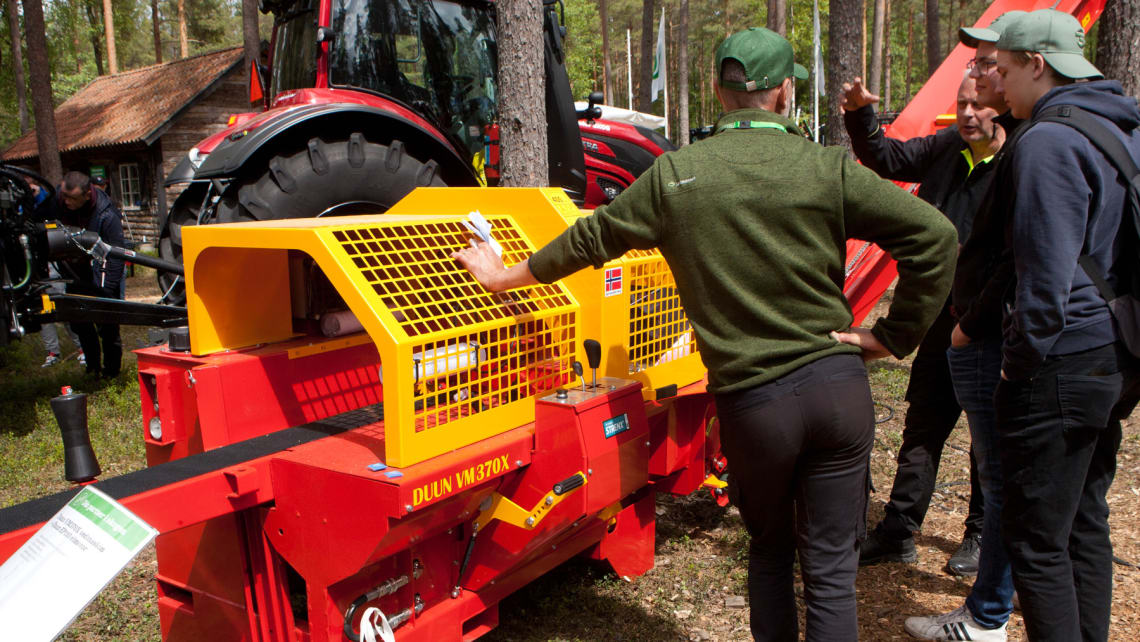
{"x":815,"y":60}
{"x":665,"y":81}
{"x":629,"y":69}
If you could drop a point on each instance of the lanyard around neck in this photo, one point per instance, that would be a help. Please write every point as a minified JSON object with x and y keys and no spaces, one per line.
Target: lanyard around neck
{"x":754,"y":124}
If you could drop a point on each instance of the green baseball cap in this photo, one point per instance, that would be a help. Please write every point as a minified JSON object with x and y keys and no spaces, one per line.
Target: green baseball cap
{"x":971,"y":36}
{"x":765,"y":55}
{"x":1057,"y":36}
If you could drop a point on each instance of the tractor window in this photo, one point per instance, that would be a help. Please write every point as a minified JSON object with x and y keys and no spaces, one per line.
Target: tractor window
{"x":438,"y":57}
{"x":295,"y":49}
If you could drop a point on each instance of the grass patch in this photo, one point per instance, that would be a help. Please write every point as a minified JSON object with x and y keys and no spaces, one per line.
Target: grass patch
{"x":30,"y":443}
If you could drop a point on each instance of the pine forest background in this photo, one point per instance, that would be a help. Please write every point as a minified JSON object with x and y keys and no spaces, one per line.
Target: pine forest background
{"x":77,"y":46}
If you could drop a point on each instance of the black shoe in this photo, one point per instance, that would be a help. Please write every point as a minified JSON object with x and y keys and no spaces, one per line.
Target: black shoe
{"x":881,"y":547}
{"x":964,"y":561}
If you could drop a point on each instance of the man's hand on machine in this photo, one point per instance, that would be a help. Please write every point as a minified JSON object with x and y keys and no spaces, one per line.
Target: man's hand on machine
{"x":488,"y":269}
{"x":865,"y":341}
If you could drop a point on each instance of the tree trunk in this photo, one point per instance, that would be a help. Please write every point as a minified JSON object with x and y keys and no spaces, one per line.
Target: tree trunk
{"x":522,"y":126}
{"x":18,"y":64}
{"x":94,"y":21}
{"x":933,"y":47}
{"x":909,"y":50}
{"x":39,"y":73}
{"x":683,"y":77}
{"x":1118,"y":44}
{"x":251,"y":41}
{"x":645,"y":75}
{"x":845,"y":27}
{"x":109,"y":33}
{"x":875,"y":80}
{"x":778,"y":16}
{"x":863,"y":40}
{"x":887,"y":56}
{"x":607,"y":73}
{"x":183,"y":39}
{"x":157,"y":28}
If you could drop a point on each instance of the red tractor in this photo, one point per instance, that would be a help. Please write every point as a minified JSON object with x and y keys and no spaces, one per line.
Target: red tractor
{"x":368,"y":99}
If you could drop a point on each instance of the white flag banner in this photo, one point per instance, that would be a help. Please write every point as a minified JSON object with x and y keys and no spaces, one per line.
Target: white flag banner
{"x":658,"y":83}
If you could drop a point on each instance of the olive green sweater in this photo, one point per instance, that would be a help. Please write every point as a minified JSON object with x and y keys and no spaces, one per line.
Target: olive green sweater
{"x":754,"y":222}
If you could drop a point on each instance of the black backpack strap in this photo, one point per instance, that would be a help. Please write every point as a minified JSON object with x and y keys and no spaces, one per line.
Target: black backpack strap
{"x":1114,"y":151}
{"x":1098,"y":135}
{"x":1090,"y":267}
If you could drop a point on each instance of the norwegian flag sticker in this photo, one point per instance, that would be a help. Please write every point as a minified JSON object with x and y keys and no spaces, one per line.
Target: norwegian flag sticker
{"x":613,"y":281}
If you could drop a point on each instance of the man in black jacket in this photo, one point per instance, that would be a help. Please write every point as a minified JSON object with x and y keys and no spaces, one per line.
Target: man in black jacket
{"x":79,"y":204}
{"x":954,"y":169}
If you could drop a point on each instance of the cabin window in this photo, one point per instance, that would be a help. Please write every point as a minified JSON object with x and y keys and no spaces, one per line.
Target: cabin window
{"x":129,"y":186}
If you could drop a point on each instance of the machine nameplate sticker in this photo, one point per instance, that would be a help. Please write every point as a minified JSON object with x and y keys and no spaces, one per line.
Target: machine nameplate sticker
{"x":615,"y":426}
{"x":474,"y":474}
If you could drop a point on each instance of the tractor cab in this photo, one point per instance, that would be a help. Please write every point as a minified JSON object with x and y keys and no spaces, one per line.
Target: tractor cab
{"x":437,"y":59}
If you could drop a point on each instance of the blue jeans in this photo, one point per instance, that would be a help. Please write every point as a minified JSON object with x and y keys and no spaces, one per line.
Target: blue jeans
{"x":975,"y":370}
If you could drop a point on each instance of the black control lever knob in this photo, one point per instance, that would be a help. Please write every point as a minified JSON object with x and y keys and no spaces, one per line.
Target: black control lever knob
{"x":593,"y":353}
{"x":594,"y":358}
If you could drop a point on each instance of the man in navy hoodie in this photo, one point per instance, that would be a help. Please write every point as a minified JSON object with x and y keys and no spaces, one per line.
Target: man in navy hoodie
{"x":1066,"y":379}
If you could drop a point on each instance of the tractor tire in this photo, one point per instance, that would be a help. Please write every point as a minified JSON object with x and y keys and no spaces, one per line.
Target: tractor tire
{"x":325,"y":178}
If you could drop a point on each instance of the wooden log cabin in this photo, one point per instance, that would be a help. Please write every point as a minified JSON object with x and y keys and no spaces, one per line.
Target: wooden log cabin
{"x":133,"y":127}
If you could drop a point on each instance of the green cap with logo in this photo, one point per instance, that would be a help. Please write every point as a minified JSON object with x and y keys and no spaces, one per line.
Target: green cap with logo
{"x":765,"y":55}
{"x":1057,"y":36}
{"x":971,"y":36}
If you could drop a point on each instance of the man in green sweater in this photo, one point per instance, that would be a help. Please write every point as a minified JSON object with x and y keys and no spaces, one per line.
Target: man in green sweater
{"x":753,"y":222}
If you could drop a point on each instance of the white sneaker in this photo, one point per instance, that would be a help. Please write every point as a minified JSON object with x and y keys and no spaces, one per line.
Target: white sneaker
{"x":955,"y":625}
{"x":51,"y":360}
{"x":81,"y":358}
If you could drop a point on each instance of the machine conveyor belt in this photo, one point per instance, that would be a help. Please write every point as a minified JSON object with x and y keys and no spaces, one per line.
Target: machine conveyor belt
{"x":40,"y":510}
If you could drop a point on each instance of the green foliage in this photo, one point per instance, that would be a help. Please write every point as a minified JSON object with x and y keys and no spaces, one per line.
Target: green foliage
{"x":9,"y":113}
{"x":74,"y":30}
{"x":583,"y":61}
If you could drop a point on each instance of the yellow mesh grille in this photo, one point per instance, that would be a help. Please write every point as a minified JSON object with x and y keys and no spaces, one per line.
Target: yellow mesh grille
{"x":471,"y":373}
{"x":409,"y":266}
{"x":659,"y":331}
{"x":472,"y":351}
{"x":641,"y":254}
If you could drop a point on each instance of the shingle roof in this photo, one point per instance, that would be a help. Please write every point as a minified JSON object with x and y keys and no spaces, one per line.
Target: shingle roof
{"x":132,"y":106}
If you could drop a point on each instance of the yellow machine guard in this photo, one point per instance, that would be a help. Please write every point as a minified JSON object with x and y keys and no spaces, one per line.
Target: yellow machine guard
{"x":458,"y":364}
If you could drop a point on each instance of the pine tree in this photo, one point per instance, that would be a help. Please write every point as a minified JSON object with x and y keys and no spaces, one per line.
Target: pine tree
{"x":1118,"y":44}
{"x":522,"y":86}
{"x":39,"y":75}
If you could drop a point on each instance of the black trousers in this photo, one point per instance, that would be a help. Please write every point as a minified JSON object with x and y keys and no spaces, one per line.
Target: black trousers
{"x":1058,"y":435}
{"x":798,"y":451}
{"x":931,"y":417}
{"x":91,"y":335}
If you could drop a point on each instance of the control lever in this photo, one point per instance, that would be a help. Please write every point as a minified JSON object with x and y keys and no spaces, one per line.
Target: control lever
{"x":593,"y":358}
{"x":578,"y":372}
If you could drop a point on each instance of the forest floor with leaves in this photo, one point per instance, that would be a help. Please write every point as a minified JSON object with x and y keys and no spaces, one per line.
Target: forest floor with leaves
{"x":697,"y":589}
